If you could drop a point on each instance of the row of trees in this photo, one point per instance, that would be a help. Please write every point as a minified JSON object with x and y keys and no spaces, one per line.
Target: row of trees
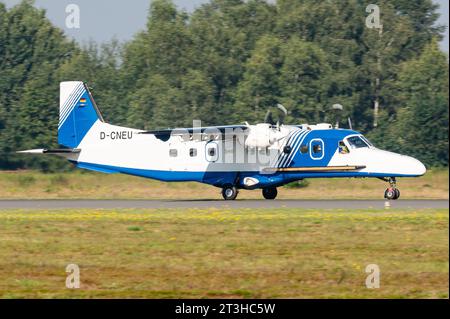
{"x":227,"y":62}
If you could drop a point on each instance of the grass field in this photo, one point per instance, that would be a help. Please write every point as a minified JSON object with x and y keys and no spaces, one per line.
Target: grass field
{"x":285,"y":253}
{"x":82,"y":184}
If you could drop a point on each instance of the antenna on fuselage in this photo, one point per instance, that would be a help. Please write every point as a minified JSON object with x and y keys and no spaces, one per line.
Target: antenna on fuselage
{"x":350,"y":126}
{"x":337,"y":108}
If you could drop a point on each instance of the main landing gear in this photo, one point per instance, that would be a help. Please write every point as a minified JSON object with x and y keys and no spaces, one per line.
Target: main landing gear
{"x":230,"y":192}
{"x":270,"y":192}
{"x":392,"y":193}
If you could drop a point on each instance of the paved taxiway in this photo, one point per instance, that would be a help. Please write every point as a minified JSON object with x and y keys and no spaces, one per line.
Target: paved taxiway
{"x":314,"y":204}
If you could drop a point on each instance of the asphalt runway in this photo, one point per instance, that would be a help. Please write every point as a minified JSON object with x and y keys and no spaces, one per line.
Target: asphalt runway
{"x":313,"y":204}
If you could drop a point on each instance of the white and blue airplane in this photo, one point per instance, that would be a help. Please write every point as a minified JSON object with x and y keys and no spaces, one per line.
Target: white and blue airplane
{"x":262,"y":156}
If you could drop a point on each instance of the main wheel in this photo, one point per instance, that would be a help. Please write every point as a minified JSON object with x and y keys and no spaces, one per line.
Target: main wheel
{"x":270,"y":192}
{"x":229,"y":193}
{"x":392,"y":193}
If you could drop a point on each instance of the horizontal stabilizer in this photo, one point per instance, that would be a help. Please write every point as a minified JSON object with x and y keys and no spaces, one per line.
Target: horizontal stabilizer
{"x":51,"y":151}
{"x":35,"y":151}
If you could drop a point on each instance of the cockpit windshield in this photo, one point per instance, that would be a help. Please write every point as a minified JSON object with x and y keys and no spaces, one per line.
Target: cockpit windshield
{"x":367,"y":141}
{"x":357,"y":142}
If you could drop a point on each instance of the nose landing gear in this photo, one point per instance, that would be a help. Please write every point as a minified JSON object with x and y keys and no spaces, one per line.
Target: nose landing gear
{"x":392,"y":193}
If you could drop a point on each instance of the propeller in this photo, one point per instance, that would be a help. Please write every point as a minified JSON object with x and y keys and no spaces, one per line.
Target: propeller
{"x":281,"y":112}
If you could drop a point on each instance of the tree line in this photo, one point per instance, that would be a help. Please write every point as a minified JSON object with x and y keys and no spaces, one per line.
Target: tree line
{"x":229,"y":61}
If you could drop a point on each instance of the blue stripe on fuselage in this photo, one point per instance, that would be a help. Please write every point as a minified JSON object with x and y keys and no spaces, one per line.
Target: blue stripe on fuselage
{"x":282,"y":154}
{"x":297,"y":136}
{"x":229,"y":177}
{"x":295,"y":149}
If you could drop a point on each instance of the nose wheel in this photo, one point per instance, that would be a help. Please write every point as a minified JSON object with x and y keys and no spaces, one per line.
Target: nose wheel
{"x":392,"y":193}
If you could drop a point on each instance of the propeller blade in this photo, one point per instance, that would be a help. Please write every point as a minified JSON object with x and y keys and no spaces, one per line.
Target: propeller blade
{"x":282,"y":113}
{"x":269,"y":118}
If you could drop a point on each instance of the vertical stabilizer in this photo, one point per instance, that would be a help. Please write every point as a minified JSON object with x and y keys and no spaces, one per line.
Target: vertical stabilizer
{"x":77,"y":113}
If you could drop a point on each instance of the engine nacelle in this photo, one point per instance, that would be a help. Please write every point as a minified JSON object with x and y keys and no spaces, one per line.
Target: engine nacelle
{"x":263,"y":135}
{"x":259,"y":136}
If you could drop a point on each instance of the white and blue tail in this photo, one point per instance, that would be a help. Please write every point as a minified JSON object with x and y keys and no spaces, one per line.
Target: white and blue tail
{"x":77,"y":113}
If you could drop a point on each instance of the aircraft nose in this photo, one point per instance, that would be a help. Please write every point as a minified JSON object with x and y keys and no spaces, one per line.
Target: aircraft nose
{"x":419,"y":167}
{"x":394,"y":164}
{"x":414,"y":166}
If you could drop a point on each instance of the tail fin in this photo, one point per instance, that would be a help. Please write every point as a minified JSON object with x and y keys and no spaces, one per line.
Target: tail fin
{"x":77,"y":113}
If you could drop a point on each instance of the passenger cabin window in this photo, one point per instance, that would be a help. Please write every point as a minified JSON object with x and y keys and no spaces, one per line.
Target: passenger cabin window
{"x":304,"y":149}
{"x":173,"y":152}
{"x":317,"y":148}
{"x":212,"y":152}
{"x":193,"y":152}
{"x":356,"y":142}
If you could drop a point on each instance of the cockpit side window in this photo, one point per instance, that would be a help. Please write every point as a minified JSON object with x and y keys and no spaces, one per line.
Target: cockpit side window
{"x":343,"y":149}
{"x":356,"y":142}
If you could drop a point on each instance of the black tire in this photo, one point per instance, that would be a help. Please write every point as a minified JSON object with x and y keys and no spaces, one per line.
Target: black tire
{"x":397,"y":193}
{"x":390,"y":193}
{"x":229,"y":193}
{"x":270,"y":193}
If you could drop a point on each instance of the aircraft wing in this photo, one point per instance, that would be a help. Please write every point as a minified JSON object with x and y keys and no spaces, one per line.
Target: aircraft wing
{"x":179,"y":131}
{"x":166,"y":134}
